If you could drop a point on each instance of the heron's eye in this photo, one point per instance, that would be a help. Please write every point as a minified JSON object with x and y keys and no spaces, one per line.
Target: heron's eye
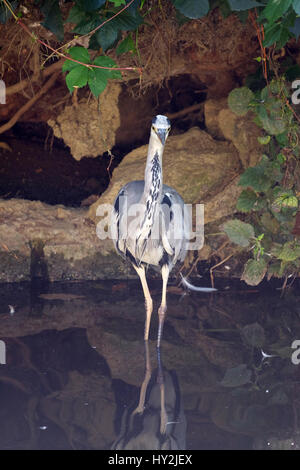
{"x":153,"y":127}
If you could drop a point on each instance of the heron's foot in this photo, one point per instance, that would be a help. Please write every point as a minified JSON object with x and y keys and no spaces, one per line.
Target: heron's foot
{"x":139,"y":410}
{"x":161,"y":319}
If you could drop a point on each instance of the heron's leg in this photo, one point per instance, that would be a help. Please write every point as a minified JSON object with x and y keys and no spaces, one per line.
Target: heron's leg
{"x":148,"y":300}
{"x":163,"y":306}
{"x":141,"y":406}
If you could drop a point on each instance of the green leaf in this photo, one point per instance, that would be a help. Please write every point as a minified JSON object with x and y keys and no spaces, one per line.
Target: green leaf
{"x":262,"y":112}
{"x":289,"y":252}
{"x":76,"y":15}
{"x":280,"y":158}
{"x":127,"y":45}
{"x":270,"y":112}
{"x":191,"y":8}
{"x":264,"y":140}
{"x":90,"y":5}
{"x":105,"y":61}
{"x":87,"y":25}
{"x":284,"y":37}
{"x":246,"y":200}
{"x":127,"y":22}
{"x":78,"y":77}
{"x":239,"y":232}
{"x":239,"y":100}
{"x":272,"y":34}
{"x":97,"y":81}
{"x":286,"y":200}
{"x":238,"y":5}
{"x":270,"y":223}
{"x":275,"y":9}
{"x":274,"y":269}
{"x":53,"y":19}
{"x":254,"y":271}
{"x":296,"y":6}
{"x":107,"y":35}
{"x":134,"y":7}
{"x":97,"y":77}
{"x":283,"y":139}
{"x":237,"y":376}
{"x":255,"y":178}
{"x":69,"y":65}
{"x":265,"y":93}
{"x":274,"y":125}
{"x":118,"y":3}
{"x":78,"y":53}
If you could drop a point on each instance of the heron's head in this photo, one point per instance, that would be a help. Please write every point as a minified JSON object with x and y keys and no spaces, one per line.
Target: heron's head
{"x":161,"y":127}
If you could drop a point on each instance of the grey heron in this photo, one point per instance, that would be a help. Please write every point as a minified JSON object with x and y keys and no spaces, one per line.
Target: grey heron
{"x":149,"y":225}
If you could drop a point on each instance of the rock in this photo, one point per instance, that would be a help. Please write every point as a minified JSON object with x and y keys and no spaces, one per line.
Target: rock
{"x":193,"y":163}
{"x":222,"y":123}
{"x":243,"y":133}
{"x":89,"y":129}
{"x":86,"y":403}
{"x":68,"y":244}
{"x":211,"y":113}
{"x":223,"y":203}
{"x":61,"y":213}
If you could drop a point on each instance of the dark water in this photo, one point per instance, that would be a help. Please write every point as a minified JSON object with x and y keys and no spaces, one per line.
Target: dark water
{"x":78,"y":375}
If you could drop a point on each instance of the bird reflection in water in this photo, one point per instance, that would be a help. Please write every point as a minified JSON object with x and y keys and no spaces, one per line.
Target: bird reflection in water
{"x":158,"y":421}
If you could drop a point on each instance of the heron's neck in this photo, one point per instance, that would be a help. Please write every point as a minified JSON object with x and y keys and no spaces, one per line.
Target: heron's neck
{"x":152,"y":188}
{"x":153,"y":171}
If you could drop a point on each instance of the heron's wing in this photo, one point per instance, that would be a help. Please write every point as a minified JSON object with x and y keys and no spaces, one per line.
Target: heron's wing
{"x":175,"y":226}
{"x":128,"y":195}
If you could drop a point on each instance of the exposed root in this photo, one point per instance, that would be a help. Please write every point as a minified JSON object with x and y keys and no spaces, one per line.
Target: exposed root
{"x":216,"y":265}
{"x":29,"y":104}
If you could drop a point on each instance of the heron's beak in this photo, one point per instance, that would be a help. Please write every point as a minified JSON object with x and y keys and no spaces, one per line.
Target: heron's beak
{"x":162,"y":135}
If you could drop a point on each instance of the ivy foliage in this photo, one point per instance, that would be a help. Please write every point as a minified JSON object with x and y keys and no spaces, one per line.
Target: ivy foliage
{"x":270,"y":195}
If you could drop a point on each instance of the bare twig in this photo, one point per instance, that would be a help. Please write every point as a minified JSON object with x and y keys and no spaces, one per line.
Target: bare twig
{"x":60,"y":54}
{"x":185,"y":111}
{"x":29,"y":103}
{"x":215,"y":266}
{"x":17,"y":87}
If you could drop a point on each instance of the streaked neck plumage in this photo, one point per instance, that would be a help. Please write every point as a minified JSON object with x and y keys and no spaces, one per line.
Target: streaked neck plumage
{"x":153,"y":171}
{"x":152,"y":194}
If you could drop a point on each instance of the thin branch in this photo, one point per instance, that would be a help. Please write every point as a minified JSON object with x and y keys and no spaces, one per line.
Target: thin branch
{"x":29,"y":103}
{"x":17,"y":87}
{"x":185,"y":111}
{"x":215,"y":266}
{"x":35,"y":38}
